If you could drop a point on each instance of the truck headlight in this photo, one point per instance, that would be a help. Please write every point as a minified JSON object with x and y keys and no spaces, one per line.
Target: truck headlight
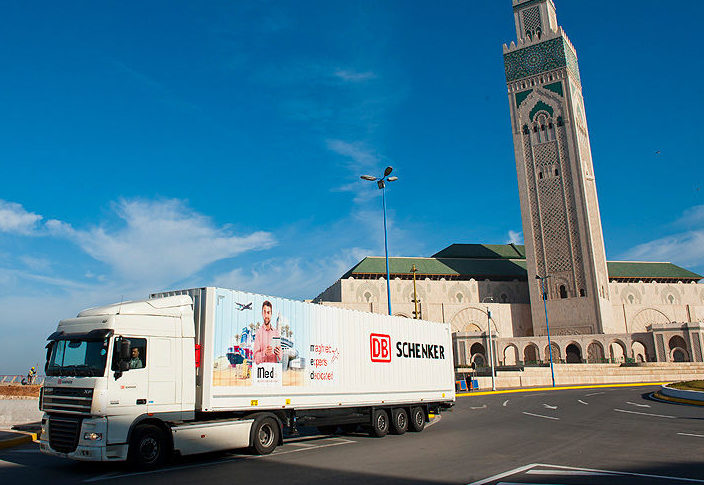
{"x":92,"y":436}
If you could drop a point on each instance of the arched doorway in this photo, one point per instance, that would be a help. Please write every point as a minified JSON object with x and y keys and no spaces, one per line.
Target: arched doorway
{"x":678,"y":349}
{"x":478,"y":354}
{"x":595,"y":353}
{"x":555,"y":353}
{"x":510,"y":355}
{"x":531,"y":355}
{"x":617,"y":352}
{"x":573,"y":354}
{"x":640,"y":354}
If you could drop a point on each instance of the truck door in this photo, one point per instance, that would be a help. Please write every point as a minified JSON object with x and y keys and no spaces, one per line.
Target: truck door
{"x":128,"y":393}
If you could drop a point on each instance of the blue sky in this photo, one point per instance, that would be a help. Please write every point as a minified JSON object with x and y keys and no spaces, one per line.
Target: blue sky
{"x":153,"y":145}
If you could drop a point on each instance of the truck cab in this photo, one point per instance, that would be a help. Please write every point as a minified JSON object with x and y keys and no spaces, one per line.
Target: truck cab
{"x":113,"y":368}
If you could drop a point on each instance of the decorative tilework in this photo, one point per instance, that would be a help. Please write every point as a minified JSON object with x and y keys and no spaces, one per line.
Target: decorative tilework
{"x":530,"y":2}
{"x":555,"y":88}
{"x":520,"y":97}
{"x":540,"y":106}
{"x":539,"y":58}
{"x":532,"y":24}
{"x":572,"y":63}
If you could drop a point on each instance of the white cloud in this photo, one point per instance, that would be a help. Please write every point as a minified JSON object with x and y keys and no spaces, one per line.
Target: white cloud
{"x":686,"y":248}
{"x":515,"y":237}
{"x":357,"y":154}
{"x":36,"y":264}
{"x":160,"y":241}
{"x":15,"y":219}
{"x":354,"y":76}
{"x":298,"y":278}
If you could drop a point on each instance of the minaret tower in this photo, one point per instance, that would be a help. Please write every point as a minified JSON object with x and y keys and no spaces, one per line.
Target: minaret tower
{"x":559,"y":206}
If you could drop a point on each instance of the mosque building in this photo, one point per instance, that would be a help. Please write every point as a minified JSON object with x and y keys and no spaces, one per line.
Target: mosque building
{"x":597,"y":310}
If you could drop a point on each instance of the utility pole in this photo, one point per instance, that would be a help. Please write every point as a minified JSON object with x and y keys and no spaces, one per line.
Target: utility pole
{"x":416,"y":314}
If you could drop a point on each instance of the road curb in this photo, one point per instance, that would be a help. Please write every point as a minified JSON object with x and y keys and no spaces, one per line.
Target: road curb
{"x":23,"y":438}
{"x":564,"y":388}
{"x":677,"y":396}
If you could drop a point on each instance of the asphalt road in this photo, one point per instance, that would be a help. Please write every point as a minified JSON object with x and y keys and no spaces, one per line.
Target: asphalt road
{"x":586,"y":436}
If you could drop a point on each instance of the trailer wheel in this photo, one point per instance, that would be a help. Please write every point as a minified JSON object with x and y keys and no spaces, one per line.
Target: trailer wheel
{"x":399,"y":421}
{"x":149,"y":447}
{"x":265,"y":435}
{"x":380,"y":423}
{"x":417,"y":421}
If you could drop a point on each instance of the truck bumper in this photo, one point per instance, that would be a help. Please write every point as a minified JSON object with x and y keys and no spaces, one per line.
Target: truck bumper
{"x":86,"y":449}
{"x":89,"y":453}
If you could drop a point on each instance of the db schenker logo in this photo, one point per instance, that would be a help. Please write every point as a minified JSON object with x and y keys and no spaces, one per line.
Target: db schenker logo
{"x":380,"y":346}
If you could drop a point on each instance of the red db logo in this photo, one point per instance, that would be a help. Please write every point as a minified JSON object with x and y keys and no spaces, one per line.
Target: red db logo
{"x":381,"y":347}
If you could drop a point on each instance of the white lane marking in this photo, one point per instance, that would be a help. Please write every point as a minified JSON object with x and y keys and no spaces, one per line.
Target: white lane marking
{"x":217,"y":462}
{"x":645,"y":414}
{"x":568,"y":473}
{"x":639,"y":405}
{"x":630,"y":474}
{"x":690,"y":434}
{"x":582,"y":402}
{"x":595,"y":394}
{"x":304,"y":445}
{"x":541,"y":416}
{"x":547,"y":406}
{"x":505,"y":403}
{"x":479,"y":407}
{"x":499,"y":476}
{"x":8,"y":464}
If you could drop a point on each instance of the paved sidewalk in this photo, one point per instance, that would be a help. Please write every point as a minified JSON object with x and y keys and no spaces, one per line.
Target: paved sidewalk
{"x":11,"y":438}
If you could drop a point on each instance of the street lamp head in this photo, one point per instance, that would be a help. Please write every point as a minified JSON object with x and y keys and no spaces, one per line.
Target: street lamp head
{"x":368,"y":177}
{"x":388,"y":171}
{"x":380,"y":183}
{"x":392,"y":179}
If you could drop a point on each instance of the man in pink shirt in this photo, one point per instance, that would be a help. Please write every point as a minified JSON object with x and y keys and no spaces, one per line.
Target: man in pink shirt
{"x":263,"y":349}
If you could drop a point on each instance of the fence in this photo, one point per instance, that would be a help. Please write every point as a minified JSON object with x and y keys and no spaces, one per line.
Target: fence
{"x":6,"y":380}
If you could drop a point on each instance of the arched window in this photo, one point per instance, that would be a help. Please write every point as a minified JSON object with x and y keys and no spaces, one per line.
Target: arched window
{"x":582,"y":292}
{"x":367,"y":296}
{"x":563,"y":291}
{"x":459,"y":297}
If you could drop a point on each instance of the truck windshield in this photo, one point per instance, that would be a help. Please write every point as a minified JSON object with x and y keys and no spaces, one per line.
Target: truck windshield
{"x":77,"y":357}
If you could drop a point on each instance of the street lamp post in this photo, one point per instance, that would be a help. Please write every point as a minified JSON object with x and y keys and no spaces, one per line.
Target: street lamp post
{"x":381,"y":183}
{"x":547,"y":325}
{"x":491,"y":342}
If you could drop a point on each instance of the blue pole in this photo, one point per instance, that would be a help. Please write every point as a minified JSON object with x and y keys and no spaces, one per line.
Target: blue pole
{"x":547,"y":325}
{"x":386,"y":250}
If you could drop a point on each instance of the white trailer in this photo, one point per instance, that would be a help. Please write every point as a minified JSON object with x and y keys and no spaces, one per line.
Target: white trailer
{"x":207,"y":369}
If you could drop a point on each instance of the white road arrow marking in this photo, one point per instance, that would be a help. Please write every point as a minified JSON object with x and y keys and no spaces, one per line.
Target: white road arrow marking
{"x":480,"y":407}
{"x":639,"y":405}
{"x":505,"y":403}
{"x":582,"y":402}
{"x":549,"y":406}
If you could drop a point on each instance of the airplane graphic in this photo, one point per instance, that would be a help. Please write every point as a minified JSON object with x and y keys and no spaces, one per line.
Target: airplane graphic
{"x":242,"y":307}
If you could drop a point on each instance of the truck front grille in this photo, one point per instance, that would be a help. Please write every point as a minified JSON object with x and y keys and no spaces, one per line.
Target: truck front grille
{"x":67,"y":400}
{"x":64,"y":432}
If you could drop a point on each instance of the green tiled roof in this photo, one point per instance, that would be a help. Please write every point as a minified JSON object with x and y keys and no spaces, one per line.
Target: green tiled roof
{"x":504,"y":262}
{"x":483,"y":251}
{"x":646,"y":270}
{"x":477,"y":268}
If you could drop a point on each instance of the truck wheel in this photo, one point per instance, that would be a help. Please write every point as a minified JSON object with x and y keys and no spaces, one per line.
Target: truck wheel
{"x":417,"y":421}
{"x":399,"y":421}
{"x":380,"y":423}
{"x":149,"y":447}
{"x":265,"y":435}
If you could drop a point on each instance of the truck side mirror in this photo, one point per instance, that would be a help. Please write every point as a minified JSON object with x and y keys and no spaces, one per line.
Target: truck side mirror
{"x":124,"y":349}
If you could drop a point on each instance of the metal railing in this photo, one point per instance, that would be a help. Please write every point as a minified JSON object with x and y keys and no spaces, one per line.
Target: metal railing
{"x":16,"y":379}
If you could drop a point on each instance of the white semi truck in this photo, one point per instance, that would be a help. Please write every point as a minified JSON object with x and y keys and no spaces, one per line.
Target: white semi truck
{"x":208,"y":369}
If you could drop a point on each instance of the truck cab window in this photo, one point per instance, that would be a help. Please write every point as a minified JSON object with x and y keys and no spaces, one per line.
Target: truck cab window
{"x":137,"y":353}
